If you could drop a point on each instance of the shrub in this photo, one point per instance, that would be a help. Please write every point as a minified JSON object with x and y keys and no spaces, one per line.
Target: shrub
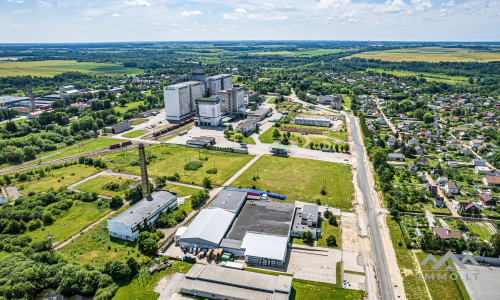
{"x":193,"y":166}
{"x":331,"y":241}
{"x":212,"y":171}
{"x":207,"y":183}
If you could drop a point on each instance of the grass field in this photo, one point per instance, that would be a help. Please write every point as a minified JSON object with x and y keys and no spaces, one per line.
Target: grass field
{"x":92,"y":146}
{"x":71,"y":221}
{"x":444,"y":289}
{"x":301,"y":179}
{"x":267,"y":137}
{"x":97,"y":184}
{"x":57,"y":178}
{"x":181,"y":190}
{"x":96,"y":247}
{"x":129,"y":106}
{"x":49,"y":68}
{"x":479,"y":229}
{"x":308,"y":53}
{"x":171,"y":159}
{"x":135,"y":133}
{"x":328,"y":230}
{"x":134,"y":290}
{"x":430,"y":54}
{"x":427,"y":76}
{"x":311,"y":290}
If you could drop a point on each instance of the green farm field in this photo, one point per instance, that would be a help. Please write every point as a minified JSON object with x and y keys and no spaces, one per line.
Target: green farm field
{"x":49,"y":68}
{"x":307,"y":53}
{"x":97,"y":184}
{"x":431,"y":54}
{"x":58,"y":178}
{"x":170,"y":159}
{"x":301,"y":179}
{"x":427,"y":76}
{"x":71,"y":221}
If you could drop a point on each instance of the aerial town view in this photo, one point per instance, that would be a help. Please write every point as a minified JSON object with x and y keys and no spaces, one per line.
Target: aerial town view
{"x":313,"y":149}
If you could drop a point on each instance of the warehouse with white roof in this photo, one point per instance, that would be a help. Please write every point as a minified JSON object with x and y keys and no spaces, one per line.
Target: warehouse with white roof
{"x":128,"y":224}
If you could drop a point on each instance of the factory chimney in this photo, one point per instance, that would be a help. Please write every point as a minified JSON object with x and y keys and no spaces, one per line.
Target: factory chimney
{"x":144,"y":171}
{"x":31,"y":97}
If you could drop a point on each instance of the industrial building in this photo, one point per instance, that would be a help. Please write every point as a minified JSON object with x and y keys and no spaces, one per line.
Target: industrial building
{"x":232,"y":100}
{"x":180,"y":98}
{"x":213,"y":282}
{"x":310,"y":121}
{"x":259,"y":114}
{"x":11,"y":101}
{"x":127,"y":224}
{"x":306,"y":220}
{"x":247,"y":127}
{"x":200,"y":142}
{"x":119,"y":127}
{"x":246,"y":226}
{"x":208,"y":111}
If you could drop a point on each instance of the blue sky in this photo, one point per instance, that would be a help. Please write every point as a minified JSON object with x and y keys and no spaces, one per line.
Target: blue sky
{"x":177,"y":20}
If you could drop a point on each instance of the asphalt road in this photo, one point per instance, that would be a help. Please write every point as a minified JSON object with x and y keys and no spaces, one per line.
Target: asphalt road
{"x":384,"y":278}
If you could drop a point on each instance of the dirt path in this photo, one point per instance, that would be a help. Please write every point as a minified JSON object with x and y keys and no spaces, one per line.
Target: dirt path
{"x":421,"y":274}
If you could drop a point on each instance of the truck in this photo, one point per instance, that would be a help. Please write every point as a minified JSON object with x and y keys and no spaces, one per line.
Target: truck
{"x":189,"y":259}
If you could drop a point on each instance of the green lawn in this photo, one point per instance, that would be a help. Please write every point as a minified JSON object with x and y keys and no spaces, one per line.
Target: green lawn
{"x":71,"y":221}
{"x":129,"y":106}
{"x":135,"y":133}
{"x":180,"y":189}
{"x":97,"y":247}
{"x":443,"y":289}
{"x":57,"y":178}
{"x":267,"y":137}
{"x":301,"y":179}
{"x":97,"y":184}
{"x":136,"y":290}
{"x":479,"y":229}
{"x":169,"y":159}
{"x":328,"y":230}
{"x":311,"y":290}
{"x":92,"y":146}
{"x":49,"y":68}
{"x":436,"y":210}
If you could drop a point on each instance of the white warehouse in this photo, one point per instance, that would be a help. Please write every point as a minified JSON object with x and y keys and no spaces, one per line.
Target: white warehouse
{"x":127,"y":224}
{"x":323,"y":122}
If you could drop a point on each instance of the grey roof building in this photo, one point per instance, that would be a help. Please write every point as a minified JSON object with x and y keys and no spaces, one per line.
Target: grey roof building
{"x":127,"y":224}
{"x":230,"y":200}
{"x":212,"y":282}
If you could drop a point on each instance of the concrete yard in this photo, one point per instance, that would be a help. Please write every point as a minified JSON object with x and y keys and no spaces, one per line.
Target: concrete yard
{"x":483,"y":287}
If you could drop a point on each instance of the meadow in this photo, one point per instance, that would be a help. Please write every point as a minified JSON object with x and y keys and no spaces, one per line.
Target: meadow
{"x":431,"y":54}
{"x":305,"y":53}
{"x":427,"y":76}
{"x":301,"y":179}
{"x":303,"y":289}
{"x":166,"y":160}
{"x":135,"y":133}
{"x":97,"y":184}
{"x":71,"y":221}
{"x":58,"y":178}
{"x":49,"y":68}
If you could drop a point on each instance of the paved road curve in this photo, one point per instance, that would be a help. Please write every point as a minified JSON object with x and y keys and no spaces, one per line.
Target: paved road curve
{"x":384,"y":278}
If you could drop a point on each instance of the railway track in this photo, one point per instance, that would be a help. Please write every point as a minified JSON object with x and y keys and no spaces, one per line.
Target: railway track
{"x":94,"y":153}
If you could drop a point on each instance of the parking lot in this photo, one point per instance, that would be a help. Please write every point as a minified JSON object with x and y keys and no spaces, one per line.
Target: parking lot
{"x":481,"y":282}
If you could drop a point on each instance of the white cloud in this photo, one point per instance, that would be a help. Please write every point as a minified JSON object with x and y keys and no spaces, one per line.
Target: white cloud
{"x":422,"y":5}
{"x":189,"y":13}
{"x":16,"y":26}
{"x":16,"y":1}
{"x":394,"y":6}
{"x":443,"y":12}
{"x":448,"y":4}
{"x":20,"y":11}
{"x":336,"y":4}
{"x":240,"y":10}
{"x":138,"y":2}
{"x":115,"y":15}
{"x":45,"y":4}
{"x":155,"y":24}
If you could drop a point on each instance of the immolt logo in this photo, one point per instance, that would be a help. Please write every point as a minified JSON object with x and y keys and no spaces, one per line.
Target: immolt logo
{"x":435,"y":272}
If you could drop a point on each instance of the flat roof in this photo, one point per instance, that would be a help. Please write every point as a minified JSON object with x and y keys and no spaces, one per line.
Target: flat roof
{"x":263,"y":216}
{"x":239,"y":284}
{"x":229,"y":200}
{"x":184,"y":84}
{"x":265,"y":245}
{"x":278,"y":146}
{"x":145,"y":208}
{"x":211,"y":224}
{"x":228,"y":243}
{"x":8,"y":99}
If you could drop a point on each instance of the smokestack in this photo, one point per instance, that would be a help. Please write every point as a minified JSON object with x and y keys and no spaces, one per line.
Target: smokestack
{"x":144,"y":171}
{"x":31,"y":97}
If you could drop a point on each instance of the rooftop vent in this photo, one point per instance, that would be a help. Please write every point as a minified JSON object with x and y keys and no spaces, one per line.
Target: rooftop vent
{"x":149,"y":198}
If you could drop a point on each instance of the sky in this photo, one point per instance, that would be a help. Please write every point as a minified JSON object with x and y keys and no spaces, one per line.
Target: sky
{"x":74,"y":21}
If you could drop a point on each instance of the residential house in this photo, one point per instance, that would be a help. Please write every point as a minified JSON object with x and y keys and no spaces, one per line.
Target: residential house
{"x":454,"y":144}
{"x":475,"y":143}
{"x":391,"y":141}
{"x":491,"y":180}
{"x":453,"y":164}
{"x":464,"y":136}
{"x":453,"y":187}
{"x":439,"y":202}
{"x":481,"y":170}
{"x":437,"y":172}
{"x":412,"y":167}
{"x":465,"y":151}
{"x":487,"y":199}
{"x":447,"y":234}
{"x":413,"y":142}
{"x":442,"y":180}
{"x":419,"y":150}
{"x":469,"y":207}
{"x":396,"y":157}
{"x":478,"y":162}
{"x":432,"y":189}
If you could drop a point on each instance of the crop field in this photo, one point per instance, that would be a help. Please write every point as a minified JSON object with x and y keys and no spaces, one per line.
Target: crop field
{"x":427,"y":76}
{"x":301,"y":179}
{"x":57,"y":178}
{"x":431,"y":54}
{"x":71,"y":221}
{"x":307,"y":53}
{"x":49,"y":68}
{"x":166,"y":160}
{"x":98,"y":185}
